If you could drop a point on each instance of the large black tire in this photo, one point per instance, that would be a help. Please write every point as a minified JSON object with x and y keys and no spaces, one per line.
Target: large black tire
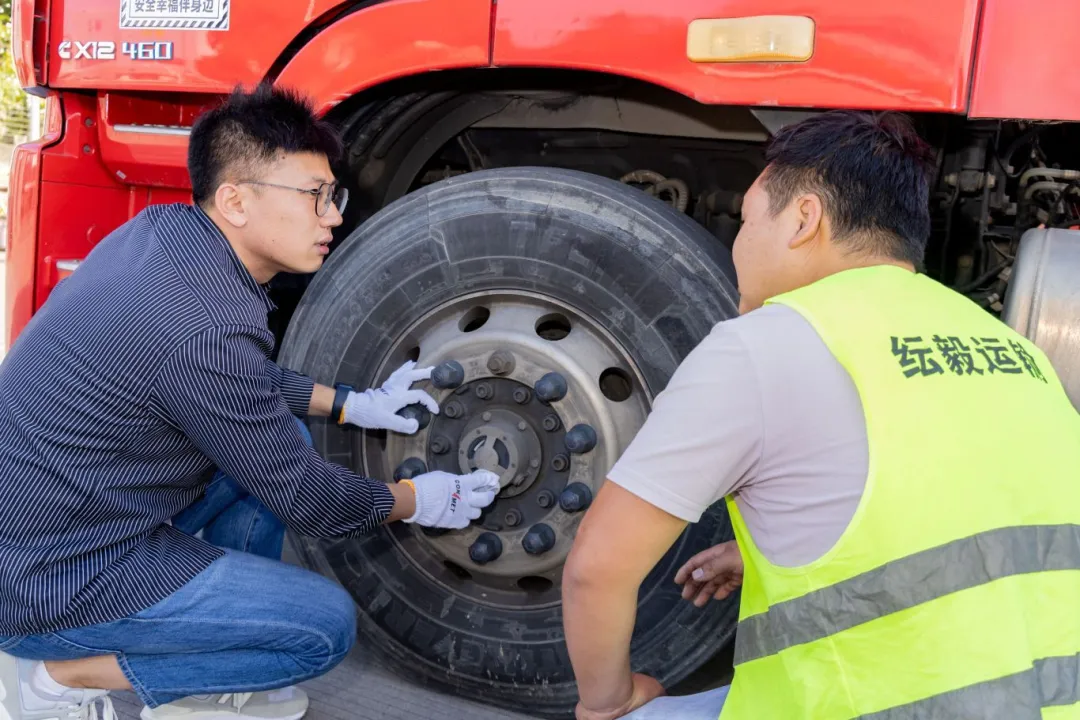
{"x":653,"y":278}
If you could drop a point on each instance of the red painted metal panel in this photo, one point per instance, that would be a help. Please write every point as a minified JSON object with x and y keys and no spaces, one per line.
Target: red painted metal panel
{"x":203,"y":60}
{"x":913,"y":55}
{"x":411,"y":34}
{"x":22,"y":238}
{"x":387,"y":41}
{"x":73,"y":220}
{"x":1025,"y":64}
{"x":24,"y":201}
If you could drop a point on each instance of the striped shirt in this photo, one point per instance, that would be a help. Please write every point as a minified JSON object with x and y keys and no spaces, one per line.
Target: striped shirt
{"x":147,"y":368}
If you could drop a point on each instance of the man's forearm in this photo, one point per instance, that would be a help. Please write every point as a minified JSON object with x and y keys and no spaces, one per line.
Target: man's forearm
{"x":599,"y":620}
{"x":404,"y":502}
{"x":322,"y":401}
{"x":620,"y":540}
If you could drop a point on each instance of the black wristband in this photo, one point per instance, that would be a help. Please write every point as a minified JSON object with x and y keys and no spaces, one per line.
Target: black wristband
{"x":337,"y":410}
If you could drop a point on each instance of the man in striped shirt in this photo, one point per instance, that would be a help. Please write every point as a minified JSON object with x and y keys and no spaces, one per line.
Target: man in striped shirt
{"x":147,"y":370}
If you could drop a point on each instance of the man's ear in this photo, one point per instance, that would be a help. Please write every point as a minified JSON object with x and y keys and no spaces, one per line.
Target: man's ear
{"x":810,"y":215}
{"x":229,"y":202}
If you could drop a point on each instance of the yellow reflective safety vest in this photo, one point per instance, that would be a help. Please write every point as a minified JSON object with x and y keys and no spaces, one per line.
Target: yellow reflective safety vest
{"x":955,"y":590}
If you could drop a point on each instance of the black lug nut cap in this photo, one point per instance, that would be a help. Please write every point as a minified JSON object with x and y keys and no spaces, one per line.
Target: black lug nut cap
{"x":410,"y":468}
{"x":416,"y":412}
{"x":487,"y":547}
{"x":575,"y":498}
{"x":539,"y":539}
{"x":551,"y":387}
{"x":580,"y":439}
{"x":448,"y":375}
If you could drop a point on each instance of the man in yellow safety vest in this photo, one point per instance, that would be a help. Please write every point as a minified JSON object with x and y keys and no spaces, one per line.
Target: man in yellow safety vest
{"x":901,"y":469}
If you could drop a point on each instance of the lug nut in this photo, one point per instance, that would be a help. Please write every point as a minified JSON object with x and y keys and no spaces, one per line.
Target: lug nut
{"x":487,"y":547}
{"x":560,"y":463}
{"x":551,"y":423}
{"x":545,"y":499}
{"x":486,"y":417}
{"x":539,"y":539}
{"x":416,"y":412}
{"x":580,"y":439}
{"x":410,"y":468}
{"x":534,"y":463}
{"x":522,"y":395}
{"x":512,"y":517}
{"x":484,"y":391}
{"x":440,"y":445}
{"x":522,"y":426}
{"x":575,"y":498}
{"x":501,"y":362}
{"x":453,"y":410}
{"x":448,"y":375}
{"x":551,"y":387}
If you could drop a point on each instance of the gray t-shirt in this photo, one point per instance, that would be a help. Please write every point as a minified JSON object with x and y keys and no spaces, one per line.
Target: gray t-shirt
{"x":762,"y":409}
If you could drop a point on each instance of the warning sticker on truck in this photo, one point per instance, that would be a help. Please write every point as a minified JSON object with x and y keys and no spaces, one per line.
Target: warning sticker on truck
{"x":175,"y":14}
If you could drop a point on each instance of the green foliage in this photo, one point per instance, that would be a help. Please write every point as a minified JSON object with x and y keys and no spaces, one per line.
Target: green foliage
{"x":13,"y":101}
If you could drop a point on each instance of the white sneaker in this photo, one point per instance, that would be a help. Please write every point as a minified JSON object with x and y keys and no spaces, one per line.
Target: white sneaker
{"x":289,"y":703}
{"x":20,"y":701}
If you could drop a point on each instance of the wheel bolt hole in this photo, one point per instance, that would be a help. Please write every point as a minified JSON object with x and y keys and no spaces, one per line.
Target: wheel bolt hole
{"x":615,"y":384}
{"x":474,"y":319}
{"x":457,"y":571}
{"x":535,"y":584}
{"x":553,"y":327}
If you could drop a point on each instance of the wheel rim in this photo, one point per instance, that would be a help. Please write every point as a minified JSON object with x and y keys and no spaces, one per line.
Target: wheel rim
{"x":496,"y":419}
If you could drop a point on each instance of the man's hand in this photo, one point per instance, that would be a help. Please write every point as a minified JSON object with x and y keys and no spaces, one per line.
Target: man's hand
{"x":451,"y":501}
{"x":716,"y":572}
{"x":377,"y":408}
{"x":645,"y":689}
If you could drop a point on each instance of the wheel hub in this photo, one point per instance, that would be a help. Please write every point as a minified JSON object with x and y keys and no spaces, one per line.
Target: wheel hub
{"x":520,"y":381}
{"x":505,"y":443}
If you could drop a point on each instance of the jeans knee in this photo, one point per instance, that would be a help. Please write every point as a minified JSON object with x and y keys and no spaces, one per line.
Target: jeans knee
{"x":342,"y":610}
{"x":333,"y":625}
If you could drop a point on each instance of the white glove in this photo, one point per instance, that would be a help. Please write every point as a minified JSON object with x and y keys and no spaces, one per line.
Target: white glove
{"x":452,"y":501}
{"x":377,"y":408}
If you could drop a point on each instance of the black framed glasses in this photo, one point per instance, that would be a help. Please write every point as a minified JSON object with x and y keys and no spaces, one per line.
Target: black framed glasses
{"x":325,"y":195}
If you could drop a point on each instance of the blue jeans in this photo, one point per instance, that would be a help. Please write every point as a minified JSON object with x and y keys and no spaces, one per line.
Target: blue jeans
{"x":247,"y":623}
{"x":702,"y":706}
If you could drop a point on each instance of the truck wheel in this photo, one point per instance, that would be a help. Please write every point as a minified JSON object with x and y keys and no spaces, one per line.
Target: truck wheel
{"x":568,"y":300}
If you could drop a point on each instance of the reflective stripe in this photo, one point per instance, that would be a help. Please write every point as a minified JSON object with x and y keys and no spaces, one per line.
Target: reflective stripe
{"x":1053,"y":681}
{"x":906,"y":583}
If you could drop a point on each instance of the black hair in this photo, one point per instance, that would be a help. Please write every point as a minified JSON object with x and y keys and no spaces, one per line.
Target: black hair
{"x":233,"y":140}
{"x":872,"y":172}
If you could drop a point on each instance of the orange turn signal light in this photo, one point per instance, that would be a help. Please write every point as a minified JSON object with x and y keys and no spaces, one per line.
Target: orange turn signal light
{"x":762,"y":38}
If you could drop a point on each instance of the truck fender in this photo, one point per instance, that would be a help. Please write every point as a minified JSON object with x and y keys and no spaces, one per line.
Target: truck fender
{"x":387,"y":41}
